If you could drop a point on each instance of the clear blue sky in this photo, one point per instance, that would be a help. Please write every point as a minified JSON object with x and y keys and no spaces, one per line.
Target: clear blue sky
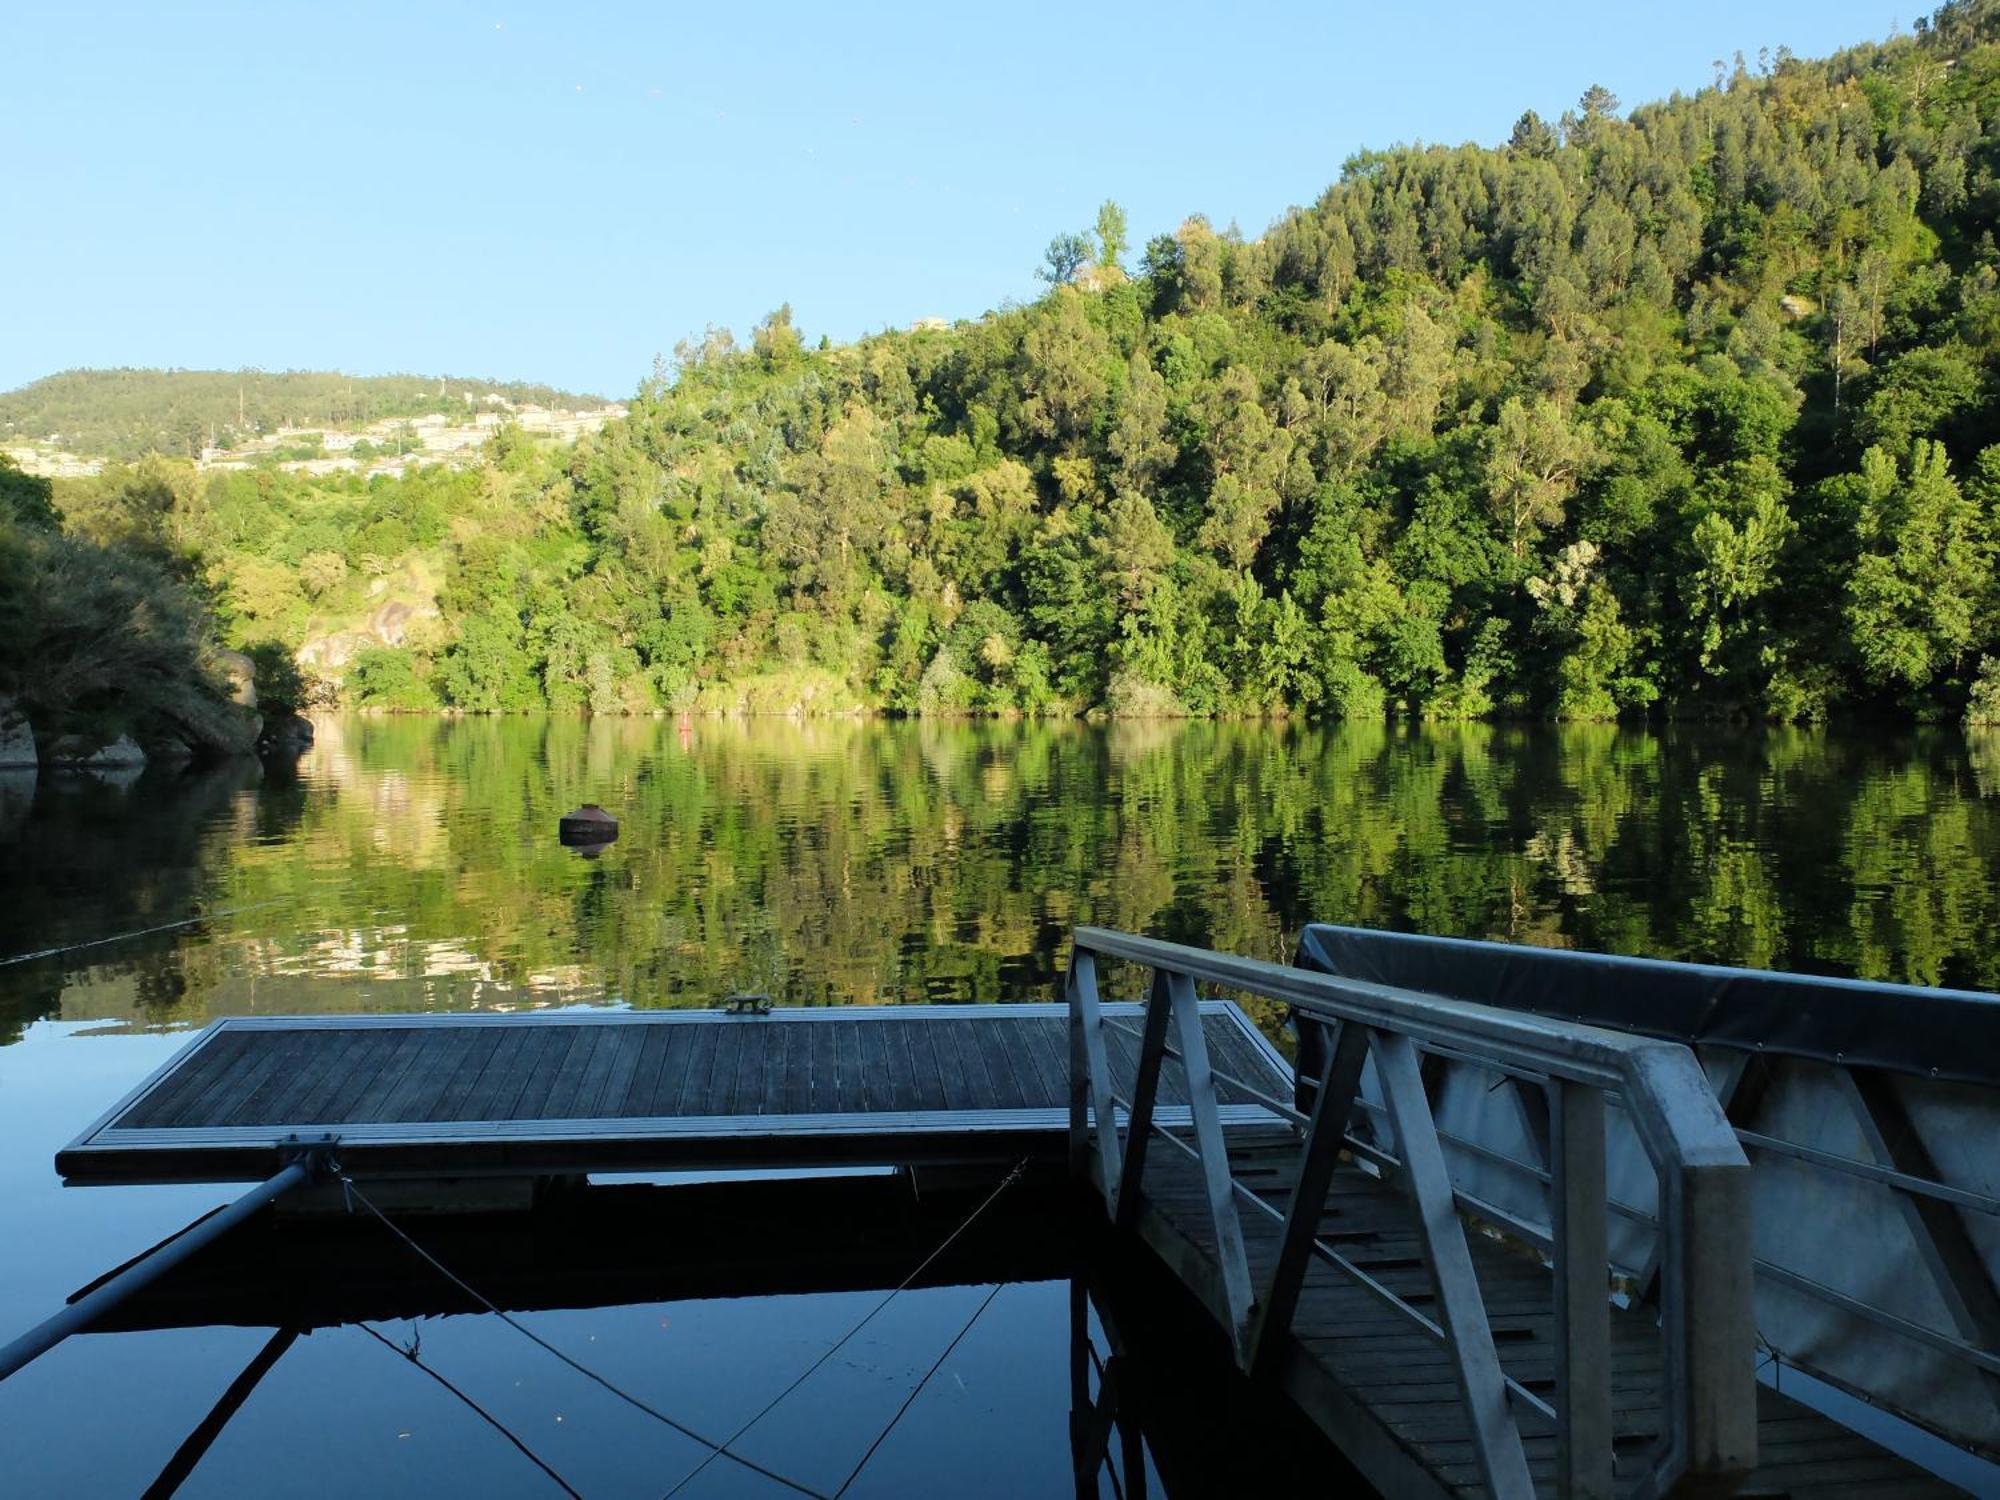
{"x":559,"y":192}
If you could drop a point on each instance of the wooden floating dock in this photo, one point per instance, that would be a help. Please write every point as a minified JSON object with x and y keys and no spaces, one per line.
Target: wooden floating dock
{"x":580,"y":1092}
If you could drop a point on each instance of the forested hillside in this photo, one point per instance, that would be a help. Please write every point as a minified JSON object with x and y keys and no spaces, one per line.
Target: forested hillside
{"x":1688,"y":411}
{"x":127,"y":414}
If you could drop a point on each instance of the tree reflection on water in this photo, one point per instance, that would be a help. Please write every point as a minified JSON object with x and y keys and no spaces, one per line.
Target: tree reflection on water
{"x":414,"y":864}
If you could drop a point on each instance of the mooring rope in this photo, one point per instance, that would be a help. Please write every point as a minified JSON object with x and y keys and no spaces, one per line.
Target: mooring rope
{"x":582,"y":1369}
{"x":910,"y":1400}
{"x":410,"y":1353}
{"x":119,"y":937}
{"x":904,"y":1285}
{"x":722,"y":1449}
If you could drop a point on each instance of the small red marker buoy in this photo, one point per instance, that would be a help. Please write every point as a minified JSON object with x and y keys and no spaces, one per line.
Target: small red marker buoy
{"x":589,"y":824}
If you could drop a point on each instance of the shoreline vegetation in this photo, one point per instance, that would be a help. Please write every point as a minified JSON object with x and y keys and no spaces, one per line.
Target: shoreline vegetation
{"x":1691,"y":412}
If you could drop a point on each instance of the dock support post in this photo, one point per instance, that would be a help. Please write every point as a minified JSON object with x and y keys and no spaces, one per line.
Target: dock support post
{"x":1496,"y":1439}
{"x":1091,"y":1110}
{"x":1082,"y":1410}
{"x":1583,"y":1296}
{"x":1145,"y":1090}
{"x":87,"y":1309}
{"x":1333,"y":1101}
{"x":1212,"y":1153}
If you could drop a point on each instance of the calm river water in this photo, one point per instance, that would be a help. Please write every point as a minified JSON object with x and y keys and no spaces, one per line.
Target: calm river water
{"x":412,"y":865}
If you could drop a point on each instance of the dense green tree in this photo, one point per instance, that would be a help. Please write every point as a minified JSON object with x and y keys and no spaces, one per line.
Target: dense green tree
{"x":1067,"y":254}
{"x":98,"y":641}
{"x":1110,"y":234}
{"x":775,"y":340}
{"x":25,"y":499}
{"x":387,"y":678}
{"x":1534,"y":459}
{"x":1923,"y":571}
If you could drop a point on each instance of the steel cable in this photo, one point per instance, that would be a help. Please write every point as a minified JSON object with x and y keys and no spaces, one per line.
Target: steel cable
{"x":497,"y":1425}
{"x":1006,"y":1182}
{"x":582,"y":1369}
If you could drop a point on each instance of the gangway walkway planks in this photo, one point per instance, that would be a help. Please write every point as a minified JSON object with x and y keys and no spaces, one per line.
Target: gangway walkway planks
{"x":1389,"y":1396}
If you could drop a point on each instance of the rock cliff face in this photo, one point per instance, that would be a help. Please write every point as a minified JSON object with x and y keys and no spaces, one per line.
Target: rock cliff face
{"x":388,"y":625}
{"x":17,"y":800}
{"x":207,"y":729}
{"x":194,"y":728}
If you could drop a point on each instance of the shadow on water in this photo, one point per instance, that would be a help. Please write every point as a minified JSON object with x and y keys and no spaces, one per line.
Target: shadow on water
{"x":1155,"y":1405}
{"x":91,"y":856}
{"x":1155,"y":1391}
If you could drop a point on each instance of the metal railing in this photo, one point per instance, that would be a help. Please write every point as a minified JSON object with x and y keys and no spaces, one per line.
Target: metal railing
{"x":1380,"y":1038}
{"x":1868,"y":1112}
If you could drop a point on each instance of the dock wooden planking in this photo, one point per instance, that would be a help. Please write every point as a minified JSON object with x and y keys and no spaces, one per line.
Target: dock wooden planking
{"x":614,"y":1079}
{"x":634,"y":1097}
{"x":200,"y":1083}
{"x":1387,"y":1395}
{"x":346,"y":1087}
{"x":577,"y":1092}
{"x":692,"y":1084}
{"x":472,"y":1067}
{"x":819,"y":1092}
{"x":927,"y":1066}
{"x":551,"y":1058}
{"x":281,"y":1080}
{"x":755,"y":1077}
{"x":970,"y":1068}
{"x":726,"y":1077}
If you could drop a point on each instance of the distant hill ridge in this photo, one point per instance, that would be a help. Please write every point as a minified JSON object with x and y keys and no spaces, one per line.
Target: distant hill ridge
{"x":128,"y":413}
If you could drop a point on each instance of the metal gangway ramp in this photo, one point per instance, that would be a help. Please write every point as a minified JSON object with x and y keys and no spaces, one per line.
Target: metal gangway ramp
{"x":1502,"y":1251}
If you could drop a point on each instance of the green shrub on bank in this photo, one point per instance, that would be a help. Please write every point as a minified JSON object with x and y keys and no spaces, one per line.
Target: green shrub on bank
{"x":102,"y":641}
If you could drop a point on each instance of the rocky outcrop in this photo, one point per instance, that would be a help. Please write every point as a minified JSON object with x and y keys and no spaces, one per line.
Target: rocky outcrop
{"x":189,"y":723}
{"x":75,"y":752}
{"x":209,"y":728}
{"x":241,"y":674}
{"x":391,"y":623}
{"x":17,"y":738}
{"x":331,"y":653}
{"x":388,"y":625}
{"x":17,"y":770}
{"x":285,"y":734}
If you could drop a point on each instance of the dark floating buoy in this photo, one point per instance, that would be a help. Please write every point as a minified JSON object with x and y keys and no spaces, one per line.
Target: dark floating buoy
{"x":589,"y":827}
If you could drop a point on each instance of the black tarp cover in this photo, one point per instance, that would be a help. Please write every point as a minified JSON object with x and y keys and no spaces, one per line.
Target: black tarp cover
{"x":1950,"y":1034}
